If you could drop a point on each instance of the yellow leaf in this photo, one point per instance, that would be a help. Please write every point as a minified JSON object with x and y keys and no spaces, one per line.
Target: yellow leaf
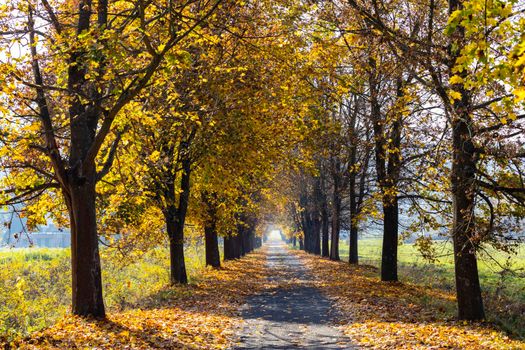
{"x":454,"y":95}
{"x":455,"y":79}
{"x":520,"y":94}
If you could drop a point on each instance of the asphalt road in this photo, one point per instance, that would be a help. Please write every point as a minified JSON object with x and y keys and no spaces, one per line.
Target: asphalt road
{"x":293,"y":315}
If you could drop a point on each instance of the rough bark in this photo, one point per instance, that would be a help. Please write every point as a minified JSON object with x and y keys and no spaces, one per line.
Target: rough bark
{"x":387,"y":172}
{"x":87,"y":299}
{"x":336,"y":215}
{"x":390,"y":237}
{"x":464,"y":164}
{"x":211,"y":239}
{"x":325,"y":227}
{"x":229,"y":248}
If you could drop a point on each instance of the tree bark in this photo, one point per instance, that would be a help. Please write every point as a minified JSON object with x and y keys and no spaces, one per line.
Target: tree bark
{"x":175,"y":217}
{"x":176,"y":246}
{"x":211,"y":239}
{"x":470,"y":302}
{"x":336,"y":218}
{"x":390,"y":237}
{"x":229,"y":248}
{"x":211,"y":242}
{"x":87,"y":299}
{"x":316,"y":236}
{"x":239,"y":243}
{"x":325,"y":227}
{"x":463,"y":180}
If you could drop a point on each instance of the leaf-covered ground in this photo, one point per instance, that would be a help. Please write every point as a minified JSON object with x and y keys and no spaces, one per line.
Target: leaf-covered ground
{"x":380,"y":315}
{"x":205,"y":315}
{"x":199,"y":316}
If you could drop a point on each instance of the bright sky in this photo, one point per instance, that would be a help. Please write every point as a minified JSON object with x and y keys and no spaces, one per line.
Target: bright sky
{"x":275,"y":235}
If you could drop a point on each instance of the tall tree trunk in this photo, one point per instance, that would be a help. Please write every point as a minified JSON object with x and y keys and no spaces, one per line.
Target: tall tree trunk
{"x":258,"y":242}
{"x":316,"y":249}
{"x":211,"y":242}
{"x":212,"y":246}
{"x":316,"y":217}
{"x":353,"y":257}
{"x":353,"y":241}
{"x":470,"y":302}
{"x":325,"y":227}
{"x":177,"y":263}
{"x":463,"y":180}
{"x":211,"y":239}
{"x":336,"y":218}
{"x":229,"y":247}
{"x":87,"y":297}
{"x":239,"y":243}
{"x":175,"y":219}
{"x":390,"y":237}
{"x":390,"y":200}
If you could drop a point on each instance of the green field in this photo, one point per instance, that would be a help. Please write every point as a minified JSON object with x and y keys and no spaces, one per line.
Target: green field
{"x":35,"y":285}
{"x":504,"y":290}
{"x":414,"y":268}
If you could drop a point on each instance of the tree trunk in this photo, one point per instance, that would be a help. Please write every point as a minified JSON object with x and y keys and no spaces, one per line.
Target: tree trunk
{"x":85,"y":259}
{"x":211,"y":240}
{"x":353,"y":252}
{"x":258,"y":242}
{"x":212,"y":245}
{"x":390,"y":236}
{"x":468,"y":289}
{"x":175,"y":219}
{"x":336,"y":220}
{"x":301,"y":243}
{"x":239,"y":242}
{"x":353,"y":257}
{"x":176,"y":241}
{"x":229,"y":248}
{"x":325,"y":223}
{"x":316,"y":235}
{"x":463,"y":181}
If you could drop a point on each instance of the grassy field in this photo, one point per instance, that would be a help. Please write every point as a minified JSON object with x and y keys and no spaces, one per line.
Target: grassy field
{"x":35,"y":285}
{"x":504,"y":292}
{"x":441,"y":273}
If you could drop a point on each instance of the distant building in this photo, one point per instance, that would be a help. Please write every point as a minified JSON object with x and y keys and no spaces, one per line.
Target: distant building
{"x":14,"y":234}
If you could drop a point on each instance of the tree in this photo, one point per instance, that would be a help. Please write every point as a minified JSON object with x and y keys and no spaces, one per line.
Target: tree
{"x":467,"y":67}
{"x":67,"y":95}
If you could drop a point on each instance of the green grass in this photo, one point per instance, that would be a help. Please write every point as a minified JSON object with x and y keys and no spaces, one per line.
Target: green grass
{"x":504,"y":293}
{"x":414,"y":268}
{"x":35,"y":283}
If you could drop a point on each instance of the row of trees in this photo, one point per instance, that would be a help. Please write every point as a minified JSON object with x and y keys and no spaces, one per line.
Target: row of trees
{"x":422,"y":113}
{"x":135,"y":119}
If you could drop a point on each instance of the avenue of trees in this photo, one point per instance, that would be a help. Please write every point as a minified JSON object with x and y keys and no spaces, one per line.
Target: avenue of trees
{"x":134,"y":119}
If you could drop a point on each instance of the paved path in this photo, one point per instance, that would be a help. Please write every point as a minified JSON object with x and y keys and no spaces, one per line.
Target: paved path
{"x":294,"y":315}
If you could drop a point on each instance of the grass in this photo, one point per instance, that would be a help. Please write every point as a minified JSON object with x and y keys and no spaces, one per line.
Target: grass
{"x":414,"y":268}
{"x":504,"y":292}
{"x":35,"y":288}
